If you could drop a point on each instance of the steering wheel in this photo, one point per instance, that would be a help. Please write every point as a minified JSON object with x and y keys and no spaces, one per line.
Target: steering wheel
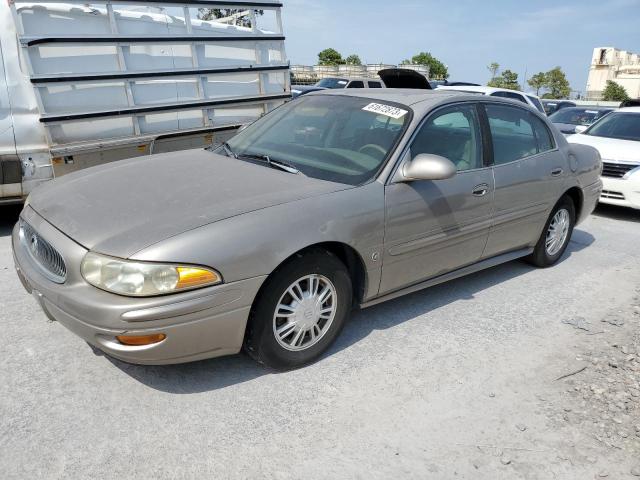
{"x":377,"y":149}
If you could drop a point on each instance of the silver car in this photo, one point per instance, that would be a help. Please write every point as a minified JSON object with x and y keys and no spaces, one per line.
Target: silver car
{"x":339,"y":200}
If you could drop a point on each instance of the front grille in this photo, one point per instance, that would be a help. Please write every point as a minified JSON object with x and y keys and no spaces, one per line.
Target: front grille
{"x":43,"y":254}
{"x":616,"y":170}
{"x":611,"y":194}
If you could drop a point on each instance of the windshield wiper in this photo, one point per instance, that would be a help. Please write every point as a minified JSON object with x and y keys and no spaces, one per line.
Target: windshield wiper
{"x":286,"y":167}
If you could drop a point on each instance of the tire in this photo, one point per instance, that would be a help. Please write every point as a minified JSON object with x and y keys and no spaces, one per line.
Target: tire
{"x":545,"y":255}
{"x":290,"y":327}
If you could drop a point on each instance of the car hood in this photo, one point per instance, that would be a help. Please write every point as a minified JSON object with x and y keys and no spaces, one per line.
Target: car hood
{"x":123,"y":207}
{"x":610,"y":148}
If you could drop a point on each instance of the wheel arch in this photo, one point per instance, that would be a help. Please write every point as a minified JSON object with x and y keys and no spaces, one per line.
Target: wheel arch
{"x":348,"y":255}
{"x":577,"y":197}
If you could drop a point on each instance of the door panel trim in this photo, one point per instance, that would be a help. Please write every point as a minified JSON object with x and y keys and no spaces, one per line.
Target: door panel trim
{"x":452,"y":233}
{"x":461,"y":272}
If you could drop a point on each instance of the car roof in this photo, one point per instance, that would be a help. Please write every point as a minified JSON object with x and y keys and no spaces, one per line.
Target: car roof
{"x":586,"y":107}
{"x":482,"y":89}
{"x":629,"y":110}
{"x":404,"y":96}
{"x":419,"y":100}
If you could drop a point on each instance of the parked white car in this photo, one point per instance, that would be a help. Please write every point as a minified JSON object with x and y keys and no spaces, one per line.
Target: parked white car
{"x":527,"y":98}
{"x":617,"y":138}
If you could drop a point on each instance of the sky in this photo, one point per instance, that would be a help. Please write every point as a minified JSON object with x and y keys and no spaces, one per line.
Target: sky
{"x":466,"y":35}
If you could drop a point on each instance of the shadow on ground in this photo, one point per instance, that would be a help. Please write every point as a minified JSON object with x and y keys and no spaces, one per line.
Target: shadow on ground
{"x":617,"y":213}
{"x":222,"y":372}
{"x":8,"y":217}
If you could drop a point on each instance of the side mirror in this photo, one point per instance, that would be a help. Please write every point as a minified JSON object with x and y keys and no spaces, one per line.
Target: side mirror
{"x":428,"y":167}
{"x":581,"y":128}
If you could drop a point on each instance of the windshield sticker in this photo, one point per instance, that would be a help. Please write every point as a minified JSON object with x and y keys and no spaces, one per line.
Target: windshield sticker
{"x":342,"y":82}
{"x":387,"y":110}
{"x":591,"y":111}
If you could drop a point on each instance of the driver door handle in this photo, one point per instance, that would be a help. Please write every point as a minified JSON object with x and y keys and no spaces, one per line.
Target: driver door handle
{"x":480,"y":190}
{"x":556,"y":172}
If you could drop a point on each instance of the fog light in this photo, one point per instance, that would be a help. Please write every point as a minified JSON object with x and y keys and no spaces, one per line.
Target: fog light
{"x":141,"y":340}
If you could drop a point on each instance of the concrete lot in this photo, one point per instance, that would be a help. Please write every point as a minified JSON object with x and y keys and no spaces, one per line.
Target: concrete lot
{"x":455,"y":382}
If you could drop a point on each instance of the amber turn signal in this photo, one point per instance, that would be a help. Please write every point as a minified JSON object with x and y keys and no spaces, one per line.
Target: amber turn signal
{"x":194,"y":277}
{"x":141,"y":340}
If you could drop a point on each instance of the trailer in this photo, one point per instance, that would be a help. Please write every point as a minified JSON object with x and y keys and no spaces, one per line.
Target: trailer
{"x":82,"y":83}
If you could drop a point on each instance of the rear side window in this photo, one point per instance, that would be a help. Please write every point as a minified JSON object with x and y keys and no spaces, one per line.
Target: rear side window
{"x":512,"y":96}
{"x":543,"y":136}
{"x":375,"y":85}
{"x":537,"y":103}
{"x":512,"y":133}
{"x":356,"y":84}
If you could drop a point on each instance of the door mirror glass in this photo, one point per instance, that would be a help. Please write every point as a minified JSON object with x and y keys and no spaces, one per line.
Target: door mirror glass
{"x":581,"y":128}
{"x":427,"y":166}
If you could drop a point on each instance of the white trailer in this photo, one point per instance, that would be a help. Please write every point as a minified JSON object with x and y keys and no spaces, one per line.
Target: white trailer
{"x":87,"y":83}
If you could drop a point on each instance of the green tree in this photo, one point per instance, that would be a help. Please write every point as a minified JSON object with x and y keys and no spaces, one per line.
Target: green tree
{"x":507,"y":79}
{"x":353,"y":60}
{"x":330,"y":56}
{"x":557,"y":84}
{"x":614,"y":92}
{"x":214,"y":13}
{"x":437,"y":69}
{"x":494,"y":68}
{"x":538,"y":81}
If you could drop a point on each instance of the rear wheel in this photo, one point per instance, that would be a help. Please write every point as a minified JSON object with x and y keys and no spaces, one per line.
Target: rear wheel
{"x":556,"y":234}
{"x":300,"y":311}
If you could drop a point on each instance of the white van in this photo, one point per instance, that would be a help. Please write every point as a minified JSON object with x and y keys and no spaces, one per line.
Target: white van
{"x":83,"y":83}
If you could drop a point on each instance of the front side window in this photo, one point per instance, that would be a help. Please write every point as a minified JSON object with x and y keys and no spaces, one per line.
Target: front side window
{"x":623,"y":126}
{"x":331,"y":137}
{"x":453,"y":133}
{"x":356,"y":84}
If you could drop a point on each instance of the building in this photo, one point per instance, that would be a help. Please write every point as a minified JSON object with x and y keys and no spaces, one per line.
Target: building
{"x":609,"y":63}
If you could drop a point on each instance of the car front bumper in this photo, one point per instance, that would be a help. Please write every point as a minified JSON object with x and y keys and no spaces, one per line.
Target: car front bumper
{"x":198,"y":324}
{"x":624,"y":192}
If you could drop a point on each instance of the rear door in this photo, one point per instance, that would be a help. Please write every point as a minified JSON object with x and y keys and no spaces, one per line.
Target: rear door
{"x":435,"y":226}
{"x":529,"y":171}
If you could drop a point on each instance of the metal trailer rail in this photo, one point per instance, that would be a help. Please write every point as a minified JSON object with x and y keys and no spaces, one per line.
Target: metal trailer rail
{"x":112,"y":80}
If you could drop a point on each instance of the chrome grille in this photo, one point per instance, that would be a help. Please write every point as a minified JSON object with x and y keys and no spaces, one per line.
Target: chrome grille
{"x":43,"y":254}
{"x":613,"y":195}
{"x":616,"y":170}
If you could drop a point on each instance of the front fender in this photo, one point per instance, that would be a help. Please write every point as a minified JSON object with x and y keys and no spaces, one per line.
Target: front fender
{"x":256,"y":243}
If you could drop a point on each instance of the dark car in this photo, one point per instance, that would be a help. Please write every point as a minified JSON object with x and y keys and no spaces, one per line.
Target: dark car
{"x":567,"y":119}
{"x":552,"y":106}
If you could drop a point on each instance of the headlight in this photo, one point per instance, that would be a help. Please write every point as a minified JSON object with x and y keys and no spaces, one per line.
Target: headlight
{"x":142,"y":279}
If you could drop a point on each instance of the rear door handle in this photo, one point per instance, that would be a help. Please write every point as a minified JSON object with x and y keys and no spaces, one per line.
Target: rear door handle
{"x":480,"y":190}
{"x":556,"y":172}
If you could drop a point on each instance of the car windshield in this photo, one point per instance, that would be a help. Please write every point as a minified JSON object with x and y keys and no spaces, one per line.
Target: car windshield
{"x":576,"y":116}
{"x":332,"y":83}
{"x":623,"y":126}
{"x":331,"y":137}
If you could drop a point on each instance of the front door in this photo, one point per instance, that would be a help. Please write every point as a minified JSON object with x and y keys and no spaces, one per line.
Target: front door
{"x":435,"y":226}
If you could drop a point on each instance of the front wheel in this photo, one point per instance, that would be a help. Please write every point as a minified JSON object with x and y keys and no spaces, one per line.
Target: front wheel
{"x":300,"y":311}
{"x":556,"y":234}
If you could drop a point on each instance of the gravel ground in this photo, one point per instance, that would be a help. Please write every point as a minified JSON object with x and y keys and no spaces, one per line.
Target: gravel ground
{"x":459,"y":381}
